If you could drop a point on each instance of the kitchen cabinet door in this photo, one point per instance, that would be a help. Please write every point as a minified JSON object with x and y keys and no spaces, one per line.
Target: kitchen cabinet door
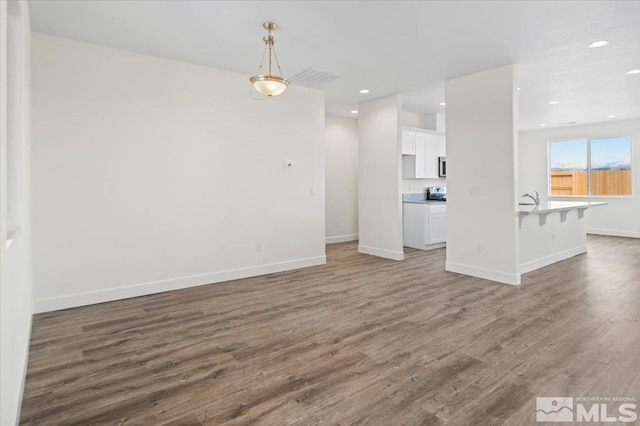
{"x":415,"y":225}
{"x":431,"y":157}
{"x":422,"y":147}
{"x":437,"y":228}
{"x":442,"y":146}
{"x":408,"y":142}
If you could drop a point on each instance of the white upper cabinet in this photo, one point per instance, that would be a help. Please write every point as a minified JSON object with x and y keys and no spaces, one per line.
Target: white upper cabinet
{"x":408,"y":143}
{"x":431,"y":159}
{"x":442,"y":146}
{"x":420,"y":152}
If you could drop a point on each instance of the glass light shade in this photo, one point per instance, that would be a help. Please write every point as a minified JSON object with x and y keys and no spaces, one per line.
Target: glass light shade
{"x":269,"y":85}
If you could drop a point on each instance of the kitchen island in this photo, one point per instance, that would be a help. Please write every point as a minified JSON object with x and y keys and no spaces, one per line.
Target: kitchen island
{"x":551,"y":232}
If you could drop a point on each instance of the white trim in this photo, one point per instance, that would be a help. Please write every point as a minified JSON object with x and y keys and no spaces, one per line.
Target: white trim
{"x":25,"y":365}
{"x":548,"y":260}
{"x":387,"y":254}
{"x":434,"y":246}
{"x":143,"y":289}
{"x":487,"y":274}
{"x":613,"y":233}
{"x":341,"y":238}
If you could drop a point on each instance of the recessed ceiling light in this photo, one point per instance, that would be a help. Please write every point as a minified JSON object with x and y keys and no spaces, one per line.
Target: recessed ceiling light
{"x":518,"y":89}
{"x":364,"y":91}
{"x":611,"y":116}
{"x":543,"y":124}
{"x":553,"y":102}
{"x":443,"y":103}
{"x":570,"y":122}
{"x":354,"y":111}
{"x":599,"y":43}
{"x":633,"y":72}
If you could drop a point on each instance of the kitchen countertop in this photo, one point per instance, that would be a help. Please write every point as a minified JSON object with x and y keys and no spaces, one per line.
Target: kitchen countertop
{"x":419,"y":199}
{"x":424,"y":202}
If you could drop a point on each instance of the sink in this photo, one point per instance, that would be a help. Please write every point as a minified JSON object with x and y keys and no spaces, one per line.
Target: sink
{"x":527,"y":204}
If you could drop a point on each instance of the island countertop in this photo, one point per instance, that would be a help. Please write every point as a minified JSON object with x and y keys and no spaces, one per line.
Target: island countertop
{"x":556,"y":206}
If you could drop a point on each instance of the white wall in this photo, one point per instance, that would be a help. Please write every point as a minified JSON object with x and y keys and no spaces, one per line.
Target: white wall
{"x":16,"y":300}
{"x":380,"y":198}
{"x":621,"y":217}
{"x":482,"y":226}
{"x":341,"y":159}
{"x":413,"y":119}
{"x":414,"y":186}
{"x":436,"y":122}
{"x":151,"y":175}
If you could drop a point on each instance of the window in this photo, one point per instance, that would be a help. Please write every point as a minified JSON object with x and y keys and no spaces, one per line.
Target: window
{"x":568,"y":166}
{"x":590,"y":167}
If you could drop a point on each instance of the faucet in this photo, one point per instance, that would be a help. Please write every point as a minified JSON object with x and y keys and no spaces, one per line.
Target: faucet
{"x":536,"y":199}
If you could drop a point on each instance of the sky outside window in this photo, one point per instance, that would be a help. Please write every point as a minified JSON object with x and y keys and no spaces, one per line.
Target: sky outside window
{"x":568,"y":155}
{"x":611,"y":153}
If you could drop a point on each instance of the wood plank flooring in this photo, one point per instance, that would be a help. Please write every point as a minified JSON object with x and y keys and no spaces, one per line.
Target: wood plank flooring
{"x":361,"y":340}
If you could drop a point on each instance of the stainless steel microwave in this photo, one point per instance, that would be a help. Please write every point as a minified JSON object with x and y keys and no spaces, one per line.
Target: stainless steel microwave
{"x":442,"y":166}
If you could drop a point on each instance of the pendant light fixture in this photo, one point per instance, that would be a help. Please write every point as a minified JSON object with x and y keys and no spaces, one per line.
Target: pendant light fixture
{"x":269,"y":84}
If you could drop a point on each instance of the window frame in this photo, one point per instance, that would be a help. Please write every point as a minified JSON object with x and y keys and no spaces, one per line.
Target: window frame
{"x":589,"y":195}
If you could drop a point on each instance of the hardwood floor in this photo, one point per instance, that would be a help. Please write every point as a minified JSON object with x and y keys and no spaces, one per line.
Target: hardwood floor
{"x":361,"y":340}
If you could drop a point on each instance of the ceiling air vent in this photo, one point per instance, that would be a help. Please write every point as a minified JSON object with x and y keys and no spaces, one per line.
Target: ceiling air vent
{"x":312,"y":78}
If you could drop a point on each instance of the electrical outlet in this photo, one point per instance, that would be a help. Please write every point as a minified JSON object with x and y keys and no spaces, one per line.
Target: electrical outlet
{"x":312,"y":191}
{"x":259,"y":246}
{"x":336,"y":224}
{"x":479,"y":248}
{"x":474,"y":190}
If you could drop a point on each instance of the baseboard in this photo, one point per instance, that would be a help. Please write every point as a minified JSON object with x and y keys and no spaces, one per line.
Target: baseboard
{"x":341,"y":238}
{"x":434,"y":246}
{"x":548,"y":260}
{"x":486,"y":274}
{"x":24,"y":369}
{"x":613,"y":233}
{"x":387,"y":254}
{"x":143,"y":289}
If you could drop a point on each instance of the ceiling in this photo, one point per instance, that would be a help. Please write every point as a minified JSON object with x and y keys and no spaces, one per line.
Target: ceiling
{"x":389,"y":47}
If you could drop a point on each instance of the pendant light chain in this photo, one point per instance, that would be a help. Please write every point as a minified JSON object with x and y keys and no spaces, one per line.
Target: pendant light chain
{"x":270,"y":42}
{"x":277,"y":63}
{"x":264,"y":51}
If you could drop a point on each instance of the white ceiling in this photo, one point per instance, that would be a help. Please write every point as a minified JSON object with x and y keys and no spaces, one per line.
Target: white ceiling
{"x":390,"y":47}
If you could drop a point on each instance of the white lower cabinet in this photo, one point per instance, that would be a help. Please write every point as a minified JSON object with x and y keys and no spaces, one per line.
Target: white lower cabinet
{"x":425,"y":225}
{"x":437,"y":228}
